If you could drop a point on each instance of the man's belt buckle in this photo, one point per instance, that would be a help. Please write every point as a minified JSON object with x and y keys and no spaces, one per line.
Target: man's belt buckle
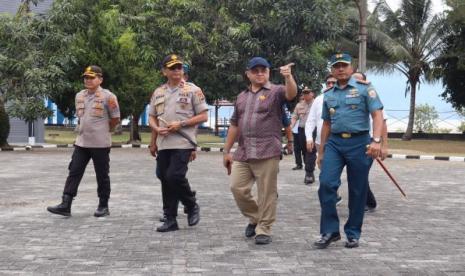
{"x":346,"y":135}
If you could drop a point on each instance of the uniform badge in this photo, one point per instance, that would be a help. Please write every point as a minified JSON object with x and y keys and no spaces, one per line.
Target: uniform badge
{"x":332,"y":111}
{"x":199,"y":94}
{"x":262,"y":97}
{"x":112,"y":103}
{"x":372,"y":93}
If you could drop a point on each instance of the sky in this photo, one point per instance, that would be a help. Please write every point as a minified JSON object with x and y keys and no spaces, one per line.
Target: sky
{"x":438,"y":5}
{"x":391,"y":88}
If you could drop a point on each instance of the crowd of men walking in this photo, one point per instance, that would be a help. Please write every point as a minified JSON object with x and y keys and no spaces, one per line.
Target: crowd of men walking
{"x":331,"y":131}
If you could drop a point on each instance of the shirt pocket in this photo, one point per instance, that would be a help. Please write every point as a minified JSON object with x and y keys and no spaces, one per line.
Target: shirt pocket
{"x":80,"y":107}
{"x":184,"y":106}
{"x":354,"y":102}
{"x":332,"y":105}
{"x":264,"y":104}
{"x":98,"y":109}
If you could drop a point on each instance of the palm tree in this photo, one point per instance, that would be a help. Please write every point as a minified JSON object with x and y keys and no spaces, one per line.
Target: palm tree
{"x":411,"y":39}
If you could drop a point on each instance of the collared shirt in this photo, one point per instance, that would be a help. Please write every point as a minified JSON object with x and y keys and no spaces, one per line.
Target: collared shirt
{"x":258,"y":117}
{"x":314,"y":120}
{"x":301,"y":111}
{"x":348,"y":109}
{"x":177,"y":104}
{"x":94,"y":111}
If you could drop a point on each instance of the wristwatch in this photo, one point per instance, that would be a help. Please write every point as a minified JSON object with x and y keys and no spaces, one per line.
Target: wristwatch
{"x":377,"y":140}
{"x":183,"y":123}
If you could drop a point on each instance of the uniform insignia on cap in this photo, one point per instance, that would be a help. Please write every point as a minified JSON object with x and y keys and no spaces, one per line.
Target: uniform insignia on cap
{"x":372,"y":93}
{"x":339,"y":56}
{"x":89,"y":69}
{"x":174,"y":57}
{"x":332,"y":111}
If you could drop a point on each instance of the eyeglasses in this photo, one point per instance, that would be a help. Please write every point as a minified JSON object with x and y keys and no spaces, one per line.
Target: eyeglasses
{"x":258,"y":70}
{"x":330,"y":82}
{"x":89,"y":78}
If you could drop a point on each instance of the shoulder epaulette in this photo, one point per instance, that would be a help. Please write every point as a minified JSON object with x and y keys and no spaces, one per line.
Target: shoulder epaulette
{"x":363,"y":82}
{"x":327,"y":89}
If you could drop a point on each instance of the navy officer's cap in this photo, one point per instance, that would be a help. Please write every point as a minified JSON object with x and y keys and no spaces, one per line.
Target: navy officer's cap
{"x":340,"y":57}
{"x":257,"y":61}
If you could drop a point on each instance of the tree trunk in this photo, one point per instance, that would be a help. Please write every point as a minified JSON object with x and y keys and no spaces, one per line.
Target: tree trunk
{"x":4,"y":125}
{"x":411,"y":116}
{"x":134,"y":136}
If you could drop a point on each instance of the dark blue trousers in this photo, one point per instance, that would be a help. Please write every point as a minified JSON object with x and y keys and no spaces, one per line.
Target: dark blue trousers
{"x":340,"y":152}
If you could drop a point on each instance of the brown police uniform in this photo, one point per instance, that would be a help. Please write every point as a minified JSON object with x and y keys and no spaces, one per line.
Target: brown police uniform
{"x":94,"y":110}
{"x":176,"y":104}
{"x":93,"y":141}
{"x":301,"y":111}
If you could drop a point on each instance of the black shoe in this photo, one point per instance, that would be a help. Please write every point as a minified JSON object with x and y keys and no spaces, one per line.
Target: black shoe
{"x":64,"y":208}
{"x":193,"y":216}
{"x":326,"y":239}
{"x":169,"y":225}
{"x":351,"y":243}
{"x":102,"y":211}
{"x":262,"y":239}
{"x":369,"y":209}
{"x":309,"y":178}
{"x":297,"y":168}
{"x":250,"y":230}
{"x":162,"y":218}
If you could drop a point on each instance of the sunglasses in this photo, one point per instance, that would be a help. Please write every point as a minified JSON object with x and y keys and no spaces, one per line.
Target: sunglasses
{"x":175,"y":67}
{"x":89,"y":78}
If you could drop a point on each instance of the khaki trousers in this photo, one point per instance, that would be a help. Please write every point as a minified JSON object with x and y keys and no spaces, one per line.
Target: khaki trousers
{"x":262,"y":211}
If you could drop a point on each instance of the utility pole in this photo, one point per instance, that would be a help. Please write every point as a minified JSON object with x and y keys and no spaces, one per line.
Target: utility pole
{"x":362,"y":35}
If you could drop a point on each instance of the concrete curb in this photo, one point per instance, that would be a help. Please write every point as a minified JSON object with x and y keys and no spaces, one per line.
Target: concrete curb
{"x":210,"y":149}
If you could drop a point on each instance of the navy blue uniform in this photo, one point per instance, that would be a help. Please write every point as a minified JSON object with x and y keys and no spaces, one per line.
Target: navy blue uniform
{"x":348,"y":110}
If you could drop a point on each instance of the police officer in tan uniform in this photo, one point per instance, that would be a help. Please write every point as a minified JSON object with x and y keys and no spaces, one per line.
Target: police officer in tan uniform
{"x":301,"y":111}
{"x":176,"y":108}
{"x":98,"y":113}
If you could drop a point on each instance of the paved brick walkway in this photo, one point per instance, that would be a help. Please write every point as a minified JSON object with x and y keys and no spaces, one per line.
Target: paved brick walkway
{"x":421,"y":236}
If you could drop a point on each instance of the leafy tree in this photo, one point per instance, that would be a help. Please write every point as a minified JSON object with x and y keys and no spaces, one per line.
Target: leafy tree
{"x":96,"y":32}
{"x":411,"y":39}
{"x":218,"y":37}
{"x":25,"y":76}
{"x":426,"y":118}
{"x":452,"y":59}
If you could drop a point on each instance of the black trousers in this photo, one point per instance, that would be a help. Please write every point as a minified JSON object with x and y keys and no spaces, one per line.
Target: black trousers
{"x":309,"y":157}
{"x":78,"y":164}
{"x":171,"y":170}
{"x":371,"y":200}
{"x":298,"y":150}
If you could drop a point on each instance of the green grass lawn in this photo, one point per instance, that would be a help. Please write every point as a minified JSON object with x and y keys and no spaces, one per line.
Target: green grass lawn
{"x":53,"y":136}
{"x":430,"y":147}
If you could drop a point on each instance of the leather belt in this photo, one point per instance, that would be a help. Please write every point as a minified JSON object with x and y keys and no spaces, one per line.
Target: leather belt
{"x":347,"y":135}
